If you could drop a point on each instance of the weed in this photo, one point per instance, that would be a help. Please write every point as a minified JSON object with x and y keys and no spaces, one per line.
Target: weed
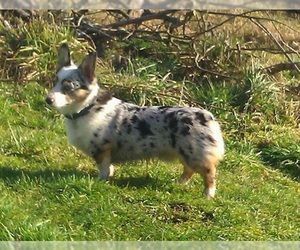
{"x":32,"y":49}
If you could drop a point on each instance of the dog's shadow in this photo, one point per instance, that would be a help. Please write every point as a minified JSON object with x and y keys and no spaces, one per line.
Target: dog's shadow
{"x":48,"y":175}
{"x":139,"y":182}
{"x":10,"y":175}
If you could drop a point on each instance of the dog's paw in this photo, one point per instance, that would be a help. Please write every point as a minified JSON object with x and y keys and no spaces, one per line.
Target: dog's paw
{"x":111,"y":171}
{"x":210,"y":192}
{"x":107,"y":173}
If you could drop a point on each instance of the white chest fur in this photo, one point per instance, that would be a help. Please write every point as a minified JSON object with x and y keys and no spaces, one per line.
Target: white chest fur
{"x":81,"y":131}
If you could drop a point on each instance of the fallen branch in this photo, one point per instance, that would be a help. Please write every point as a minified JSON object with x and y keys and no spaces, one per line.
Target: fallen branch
{"x":281,"y":67}
{"x":159,"y":15}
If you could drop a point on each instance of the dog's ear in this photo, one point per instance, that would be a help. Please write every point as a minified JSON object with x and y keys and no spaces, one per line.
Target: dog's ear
{"x":64,"y":58}
{"x":88,"y":66}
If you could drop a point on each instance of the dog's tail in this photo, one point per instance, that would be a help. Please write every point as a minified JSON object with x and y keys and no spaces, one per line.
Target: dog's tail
{"x":218,"y":150}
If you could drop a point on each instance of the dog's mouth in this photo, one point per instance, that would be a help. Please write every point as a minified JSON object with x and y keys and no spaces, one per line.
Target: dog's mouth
{"x":72,"y":105}
{"x":58,"y":102}
{"x":51,"y":102}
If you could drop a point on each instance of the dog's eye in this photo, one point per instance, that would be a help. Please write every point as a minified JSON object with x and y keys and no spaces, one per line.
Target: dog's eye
{"x":67,"y":86}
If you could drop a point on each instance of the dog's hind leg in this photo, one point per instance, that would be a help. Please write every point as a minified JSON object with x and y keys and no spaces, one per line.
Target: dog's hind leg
{"x":187,"y":174}
{"x":103,"y":160}
{"x":208,"y":173}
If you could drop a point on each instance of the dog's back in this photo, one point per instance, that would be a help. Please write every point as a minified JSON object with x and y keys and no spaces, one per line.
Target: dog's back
{"x":163,"y":132}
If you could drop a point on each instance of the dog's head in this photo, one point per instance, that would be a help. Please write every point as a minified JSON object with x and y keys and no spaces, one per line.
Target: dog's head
{"x":75,"y":86}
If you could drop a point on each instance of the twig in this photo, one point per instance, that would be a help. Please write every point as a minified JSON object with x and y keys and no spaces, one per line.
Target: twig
{"x":198,"y":58}
{"x":269,"y":50}
{"x":282,"y":40}
{"x":159,"y":15}
{"x":276,"y":41}
{"x":281,"y":67}
{"x":121,"y":12}
{"x":245,"y":15}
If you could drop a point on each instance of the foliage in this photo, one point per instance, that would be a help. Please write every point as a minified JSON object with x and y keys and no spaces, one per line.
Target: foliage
{"x":31,"y":48}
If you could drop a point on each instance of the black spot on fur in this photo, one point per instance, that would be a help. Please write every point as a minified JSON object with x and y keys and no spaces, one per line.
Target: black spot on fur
{"x":98,"y":109}
{"x":144,"y":128}
{"x":133,"y":109}
{"x":173,"y":124}
{"x":211,"y":139}
{"x":170,"y":115}
{"x":190,"y":149}
{"x":173,"y":140}
{"x":187,"y":120}
{"x":134,"y":119}
{"x":97,"y":151}
{"x":206,"y":137}
{"x":185,"y":130}
{"x":129,"y":128}
{"x":93,"y":143}
{"x":105,"y":141}
{"x":119,"y":145}
{"x":171,"y":119}
{"x":126,"y":125}
{"x":152,"y":145}
{"x":95,"y":134}
{"x":103,"y":97}
{"x":124,"y":122}
{"x":182,"y":152}
{"x":163,"y":109}
{"x":203,"y":118}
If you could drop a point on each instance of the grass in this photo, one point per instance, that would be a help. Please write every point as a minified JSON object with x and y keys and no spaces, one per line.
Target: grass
{"x":49,"y":191}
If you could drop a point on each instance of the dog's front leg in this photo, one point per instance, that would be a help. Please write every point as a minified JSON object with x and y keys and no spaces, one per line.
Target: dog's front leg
{"x":103,"y":160}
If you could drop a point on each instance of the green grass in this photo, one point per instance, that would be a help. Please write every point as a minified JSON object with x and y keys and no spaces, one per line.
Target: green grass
{"x":49,"y":191}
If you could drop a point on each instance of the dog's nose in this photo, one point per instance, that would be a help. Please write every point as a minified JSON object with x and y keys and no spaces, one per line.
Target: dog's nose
{"x":49,"y":100}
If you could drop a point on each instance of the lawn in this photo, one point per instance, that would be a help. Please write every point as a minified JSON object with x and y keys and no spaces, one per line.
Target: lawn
{"x":49,"y":190}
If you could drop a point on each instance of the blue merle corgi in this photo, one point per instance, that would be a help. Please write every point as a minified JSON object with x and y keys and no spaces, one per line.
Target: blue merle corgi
{"x":110,"y":130}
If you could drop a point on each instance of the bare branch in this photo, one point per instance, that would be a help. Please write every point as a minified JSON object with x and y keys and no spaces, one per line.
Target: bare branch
{"x":276,"y":42}
{"x":159,"y":15}
{"x":281,"y":67}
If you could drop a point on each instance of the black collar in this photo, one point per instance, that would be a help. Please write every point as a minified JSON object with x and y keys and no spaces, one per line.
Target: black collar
{"x":82,"y":112}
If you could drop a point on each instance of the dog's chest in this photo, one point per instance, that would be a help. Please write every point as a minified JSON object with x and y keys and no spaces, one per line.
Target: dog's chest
{"x":81,"y":131}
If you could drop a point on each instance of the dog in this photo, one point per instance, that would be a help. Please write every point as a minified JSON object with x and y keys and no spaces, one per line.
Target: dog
{"x":110,"y":130}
